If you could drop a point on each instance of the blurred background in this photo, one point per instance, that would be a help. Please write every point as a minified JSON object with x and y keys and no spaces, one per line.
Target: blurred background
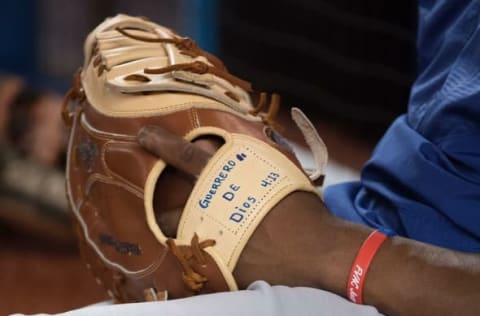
{"x":348,"y":64}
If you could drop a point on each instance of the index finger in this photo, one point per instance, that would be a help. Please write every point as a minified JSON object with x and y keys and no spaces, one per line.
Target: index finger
{"x":173,"y":149}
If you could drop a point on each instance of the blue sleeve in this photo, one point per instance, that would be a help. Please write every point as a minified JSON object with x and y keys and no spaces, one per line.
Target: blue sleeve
{"x":423,"y":179}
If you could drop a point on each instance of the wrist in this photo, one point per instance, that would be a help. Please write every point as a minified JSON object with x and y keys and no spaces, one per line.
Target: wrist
{"x":342,"y":242}
{"x":361,"y":264}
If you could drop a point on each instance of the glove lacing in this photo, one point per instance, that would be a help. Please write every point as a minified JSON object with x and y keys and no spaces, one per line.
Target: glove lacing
{"x":74,"y":93}
{"x":192,"y":279}
{"x":188,"y":47}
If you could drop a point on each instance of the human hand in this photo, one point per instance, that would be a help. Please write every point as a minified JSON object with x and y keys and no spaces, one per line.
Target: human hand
{"x":278,"y":251}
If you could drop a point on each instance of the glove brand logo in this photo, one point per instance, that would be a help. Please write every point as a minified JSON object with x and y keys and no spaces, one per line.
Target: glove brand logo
{"x":120,"y":246}
{"x":87,"y":153}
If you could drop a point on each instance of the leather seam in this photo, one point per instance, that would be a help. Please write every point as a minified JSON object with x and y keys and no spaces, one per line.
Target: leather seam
{"x":98,"y":177}
{"x":99,"y":134}
{"x":111,"y":173}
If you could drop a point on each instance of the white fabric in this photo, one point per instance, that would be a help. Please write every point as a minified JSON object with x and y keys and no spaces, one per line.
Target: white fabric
{"x":260,"y":299}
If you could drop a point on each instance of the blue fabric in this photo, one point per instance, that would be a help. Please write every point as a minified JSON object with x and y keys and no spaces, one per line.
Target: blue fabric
{"x":423,"y":179}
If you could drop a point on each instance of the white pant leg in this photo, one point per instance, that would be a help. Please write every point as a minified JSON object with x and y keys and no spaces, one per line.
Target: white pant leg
{"x":260,"y":299}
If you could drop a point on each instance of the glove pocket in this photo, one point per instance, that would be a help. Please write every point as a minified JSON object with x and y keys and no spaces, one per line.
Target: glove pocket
{"x":114,"y":225}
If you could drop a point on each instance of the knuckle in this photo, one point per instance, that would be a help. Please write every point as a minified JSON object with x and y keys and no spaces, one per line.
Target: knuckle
{"x":187,"y":152}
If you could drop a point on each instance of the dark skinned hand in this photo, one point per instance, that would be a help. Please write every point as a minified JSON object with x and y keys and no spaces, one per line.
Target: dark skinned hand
{"x":270,"y":252}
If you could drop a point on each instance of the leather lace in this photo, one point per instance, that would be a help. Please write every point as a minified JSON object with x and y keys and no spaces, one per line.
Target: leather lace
{"x":192,"y":279}
{"x":74,"y":93}
{"x":188,"y":47}
{"x":274,"y":106}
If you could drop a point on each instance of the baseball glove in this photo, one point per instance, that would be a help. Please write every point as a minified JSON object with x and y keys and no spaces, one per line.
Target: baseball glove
{"x":137,"y":73}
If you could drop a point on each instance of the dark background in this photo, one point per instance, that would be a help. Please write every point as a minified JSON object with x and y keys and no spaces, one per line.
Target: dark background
{"x":352,"y":61}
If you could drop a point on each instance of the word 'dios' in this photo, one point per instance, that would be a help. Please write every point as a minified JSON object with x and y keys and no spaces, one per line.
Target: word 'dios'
{"x":239,"y":213}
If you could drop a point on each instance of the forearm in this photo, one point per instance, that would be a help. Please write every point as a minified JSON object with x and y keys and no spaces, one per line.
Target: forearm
{"x":405,"y":277}
{"x":299,"y":243}
{"x":412,"y":278}
{"x":306,"y":246}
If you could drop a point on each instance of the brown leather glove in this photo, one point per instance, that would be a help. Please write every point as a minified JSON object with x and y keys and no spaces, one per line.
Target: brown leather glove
{"x":136,"y":74}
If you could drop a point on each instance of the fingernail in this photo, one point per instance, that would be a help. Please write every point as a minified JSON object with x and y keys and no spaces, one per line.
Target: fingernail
{"x":144,"y":135}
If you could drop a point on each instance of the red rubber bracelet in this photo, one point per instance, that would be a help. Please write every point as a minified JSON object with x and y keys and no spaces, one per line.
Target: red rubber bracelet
{"x":361,"y":264}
